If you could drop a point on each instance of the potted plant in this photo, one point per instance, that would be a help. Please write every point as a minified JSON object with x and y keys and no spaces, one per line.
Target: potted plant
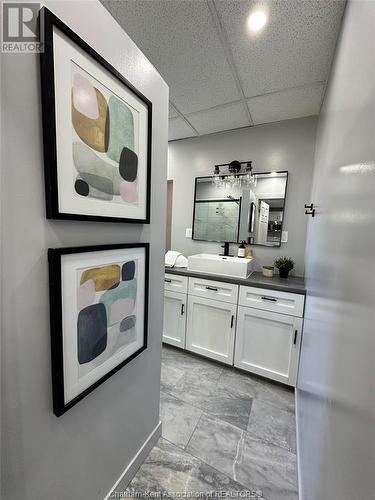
{"x":284,"y":265}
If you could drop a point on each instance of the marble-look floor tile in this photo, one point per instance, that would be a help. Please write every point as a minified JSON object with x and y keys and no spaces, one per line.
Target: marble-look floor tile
{"x":207,"y":371}
{"x":272,"y":424}
{"x":171,"y":352}
{"x":277,"y":395}
{"x":170,"y":470}
{"x":176,"y":354}
{"x":240,"y":381}
{"x":231,"y":406}
{"x":258,"y":388}
{"x":252,"y":462}
{"x":170,"y":375}
{"x":188,"y":363}
{"x":224,"y":403}
{"x":178,"y":419}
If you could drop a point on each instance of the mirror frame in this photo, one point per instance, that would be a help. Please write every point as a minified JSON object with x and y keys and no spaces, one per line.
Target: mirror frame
{"x":238,"y":228}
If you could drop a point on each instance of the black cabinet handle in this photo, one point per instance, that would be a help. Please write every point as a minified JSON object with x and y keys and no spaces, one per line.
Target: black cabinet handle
{"x":212,"y":288}
{"x":232,"y":321}
{"x":182,"y":309}
{"x":167,"y":280}
{"x":295,"y":337}
{"x":270,"y":299}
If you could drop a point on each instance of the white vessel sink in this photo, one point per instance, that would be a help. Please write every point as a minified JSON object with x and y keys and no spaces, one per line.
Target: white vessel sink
{"x":219,"y":264}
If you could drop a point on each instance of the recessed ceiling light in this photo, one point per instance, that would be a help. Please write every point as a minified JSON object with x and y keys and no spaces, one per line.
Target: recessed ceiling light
{"x":257,"y":20}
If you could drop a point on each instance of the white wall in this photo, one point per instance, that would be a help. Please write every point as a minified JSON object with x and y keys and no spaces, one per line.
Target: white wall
{"x":81,"y":454}
{"x":336,"y":401}
{"x":287,"y":145}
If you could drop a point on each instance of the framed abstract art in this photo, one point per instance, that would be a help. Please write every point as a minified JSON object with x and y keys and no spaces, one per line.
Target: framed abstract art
{"x":98,"y":310}
{"x":96,"y":133}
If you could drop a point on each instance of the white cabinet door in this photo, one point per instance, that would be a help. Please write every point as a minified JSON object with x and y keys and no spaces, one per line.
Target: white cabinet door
{"x":174,"y":318}
{"x":210,"y":328}
{"x":268,"y":344}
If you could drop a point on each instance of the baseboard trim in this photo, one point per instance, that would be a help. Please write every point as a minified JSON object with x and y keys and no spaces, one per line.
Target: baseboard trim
{"x":129,"y":472}
{"x":299,"y":476}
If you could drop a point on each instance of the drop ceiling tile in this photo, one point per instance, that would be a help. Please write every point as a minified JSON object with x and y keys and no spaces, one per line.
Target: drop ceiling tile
{"x":172,"y":112}
{"x":218,"y":119}
{"x":179,"y":129}
{"x":179,"y":39}
{"x":295,"y":48}
{"x":292,"y":103}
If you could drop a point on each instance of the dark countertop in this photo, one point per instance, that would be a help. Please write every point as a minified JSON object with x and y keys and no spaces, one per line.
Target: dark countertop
{"x":292,"y":284}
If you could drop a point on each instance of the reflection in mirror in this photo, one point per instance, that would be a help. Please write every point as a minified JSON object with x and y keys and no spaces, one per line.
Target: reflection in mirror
{"x":234,"y":211}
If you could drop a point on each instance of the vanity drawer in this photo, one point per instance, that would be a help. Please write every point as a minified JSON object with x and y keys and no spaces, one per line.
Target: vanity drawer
{"x":272,"y":300}
{"x":226,"y":292}
{"x":176,"y":283}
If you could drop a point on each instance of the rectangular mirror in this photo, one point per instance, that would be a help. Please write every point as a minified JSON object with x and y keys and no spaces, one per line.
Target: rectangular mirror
{"x":233,"y":209}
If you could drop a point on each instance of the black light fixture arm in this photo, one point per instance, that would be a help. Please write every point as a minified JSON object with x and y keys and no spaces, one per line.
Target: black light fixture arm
{"x":234,"y":166}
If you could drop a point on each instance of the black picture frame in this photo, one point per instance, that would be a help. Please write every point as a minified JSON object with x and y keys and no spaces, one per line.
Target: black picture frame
{"x":46,"y":22}
{"x":56,"y":321}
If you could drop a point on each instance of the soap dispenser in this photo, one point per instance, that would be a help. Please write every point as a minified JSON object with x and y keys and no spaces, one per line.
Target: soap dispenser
{"x":242,"y":250}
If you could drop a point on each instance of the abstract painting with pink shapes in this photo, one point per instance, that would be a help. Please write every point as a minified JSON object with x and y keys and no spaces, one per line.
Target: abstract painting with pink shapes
{"x":104,"y":144}
{"x":106,"y":305}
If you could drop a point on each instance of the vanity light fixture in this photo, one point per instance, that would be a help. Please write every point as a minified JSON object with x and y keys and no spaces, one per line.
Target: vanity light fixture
{"x":234,"y":168}
{"x":257,"y":20}
{"x":239,"y":173}
{"x":249,"y":179}
{"x":216,"y":180}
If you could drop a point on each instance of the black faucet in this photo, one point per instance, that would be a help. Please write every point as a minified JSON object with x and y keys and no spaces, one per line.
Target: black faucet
{"x":226,"y":249}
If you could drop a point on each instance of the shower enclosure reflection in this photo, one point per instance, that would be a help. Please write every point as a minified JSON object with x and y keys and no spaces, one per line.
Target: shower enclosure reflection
{"x":232,"y":211}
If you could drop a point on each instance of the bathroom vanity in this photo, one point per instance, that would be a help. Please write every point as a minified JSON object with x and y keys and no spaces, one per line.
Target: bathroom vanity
{"x":253,"y":323}
{"x":212,"y":308}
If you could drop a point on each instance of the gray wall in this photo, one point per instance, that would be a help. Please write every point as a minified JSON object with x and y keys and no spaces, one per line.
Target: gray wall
{"x":287,"y":145}
{"x":335,"y":397}
{"x":81,"y":454}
